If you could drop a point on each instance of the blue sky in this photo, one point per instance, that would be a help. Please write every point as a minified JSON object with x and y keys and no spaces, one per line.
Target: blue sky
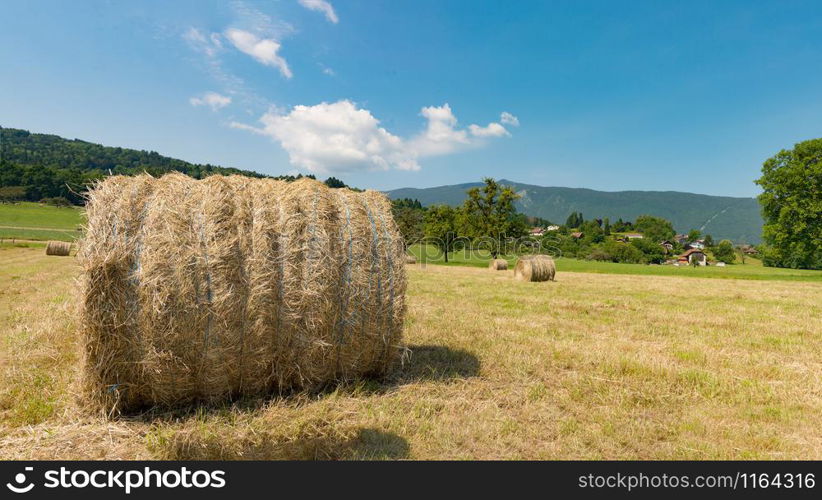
{"x":688,"y":96}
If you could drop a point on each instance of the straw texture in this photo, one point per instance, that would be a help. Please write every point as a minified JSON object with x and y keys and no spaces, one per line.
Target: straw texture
{"x":498,"y":265}
{"x":535,"y":268}
{"x":228,"y":286}
{"x":60,"y":248}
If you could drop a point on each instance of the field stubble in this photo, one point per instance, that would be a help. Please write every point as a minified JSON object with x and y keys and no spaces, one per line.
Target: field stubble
{"x":592,"y":366}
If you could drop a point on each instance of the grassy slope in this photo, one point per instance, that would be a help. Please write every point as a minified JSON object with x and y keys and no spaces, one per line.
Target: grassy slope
{"x":590,"y":366}
{"x":39,"y":222}
{"x":753,"y":270}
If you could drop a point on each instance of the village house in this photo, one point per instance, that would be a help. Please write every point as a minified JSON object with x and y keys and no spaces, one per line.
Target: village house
{"x":552,"y":228}
{"x":748,"y":250}
{"x":634,"y":236}
{"x":693,"y":255}
{"x":667,"y":245}
{"x":537,"y":231}
{"x":697,"y":245}
{"x":577,"y":235}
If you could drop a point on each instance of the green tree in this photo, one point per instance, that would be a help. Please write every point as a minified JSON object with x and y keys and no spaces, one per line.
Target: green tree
{"x":607,"y":228}
{"x":791,"y":206}
{"x":410,"y":223}
{"x":333,"y":182}
{"x":12,"y":193}
{"x":694,"y":234}
{"x":654,"y":228}
{"x":407,"y":202}
{"x":615,"y":251}
{"x":709,"y":240}
{"x":490,"y":215}
{"x":441,"y":228}
{"x":724,"y":252}
{"x":651,"y":249}
{"x":593,"y":233}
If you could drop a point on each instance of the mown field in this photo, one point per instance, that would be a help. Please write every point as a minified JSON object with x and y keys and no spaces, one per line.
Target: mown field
{"x":751,"y":270}
{"x":591,"y":366}
{"x":35,"y":221}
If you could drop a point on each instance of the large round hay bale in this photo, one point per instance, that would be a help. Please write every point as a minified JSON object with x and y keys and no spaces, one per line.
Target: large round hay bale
{"x":535,"y":268}
{"x":201,"y":290}
{"x":61,"y":248}
{"x":498,"y":265}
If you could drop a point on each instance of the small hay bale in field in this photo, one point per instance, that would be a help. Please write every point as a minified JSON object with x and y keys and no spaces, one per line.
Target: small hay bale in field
{"x":61,"y":248}
{"x":203,"y":290}
{"x":410,"y":259}
{"x":535,"y":268}
{"x":498,"y":265}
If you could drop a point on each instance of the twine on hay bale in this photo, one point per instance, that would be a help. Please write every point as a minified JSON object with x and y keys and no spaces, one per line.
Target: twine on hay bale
{"x":535,"y":268}
{"x":201,"y":290}
{"x":60,"y":248}
{"x":498,"y":265}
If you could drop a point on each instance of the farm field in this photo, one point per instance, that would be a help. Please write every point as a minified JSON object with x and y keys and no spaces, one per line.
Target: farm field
{"x":593,"y":366}
{"x":35,"y":221}
{"x":752,"y":270}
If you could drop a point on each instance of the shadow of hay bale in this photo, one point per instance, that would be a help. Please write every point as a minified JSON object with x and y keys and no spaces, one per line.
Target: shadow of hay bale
{"x":374,"y":444}
{"x":434,"y":362}
{"x":424,"y":363}
{"x":323,"y":442}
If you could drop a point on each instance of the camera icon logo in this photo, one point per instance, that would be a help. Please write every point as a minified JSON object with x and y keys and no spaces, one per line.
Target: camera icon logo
{"x":20,"y":478}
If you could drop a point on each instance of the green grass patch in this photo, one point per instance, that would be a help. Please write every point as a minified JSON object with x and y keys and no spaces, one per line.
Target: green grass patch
{"x":749,"y":271}
{"x":8,"y":235}
{"x":36,"y":215}
{"x":35,"y":221}
{"x":9,"y":244}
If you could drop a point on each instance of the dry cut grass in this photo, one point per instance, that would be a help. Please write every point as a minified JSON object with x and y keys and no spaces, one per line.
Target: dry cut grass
{"x":590,"y":366}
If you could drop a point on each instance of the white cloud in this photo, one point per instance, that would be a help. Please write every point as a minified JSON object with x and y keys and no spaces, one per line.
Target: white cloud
{"x":211,"y":99}
{"x":248,"y":18}
{"x":335,"y":137}
{"x":440,"y":136}
{"x":209,"y":45}
{"x":321,"y":6}
{"x":264,"y":50}
{"x":340,"y":137}
{"x":213,"y":45}
{"x":490,"y":130}
{"x":509,"y":119}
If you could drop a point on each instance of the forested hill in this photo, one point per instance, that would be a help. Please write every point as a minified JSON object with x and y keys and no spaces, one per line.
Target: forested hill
{"x":737,"y":219}
{"x":43,"y":166}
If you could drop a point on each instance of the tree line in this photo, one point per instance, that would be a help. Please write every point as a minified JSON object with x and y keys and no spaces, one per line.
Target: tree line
{"x":487,"y":217}
{"x":487,"y":220}
{"x":58,"y":171}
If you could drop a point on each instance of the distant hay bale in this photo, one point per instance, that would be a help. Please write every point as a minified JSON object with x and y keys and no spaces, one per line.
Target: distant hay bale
{"x":535,"y":268}
{"x":202,"y":290}
{"x":61,"y":248}
{"x":410,"y":259}
{"x":498,"y":265}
